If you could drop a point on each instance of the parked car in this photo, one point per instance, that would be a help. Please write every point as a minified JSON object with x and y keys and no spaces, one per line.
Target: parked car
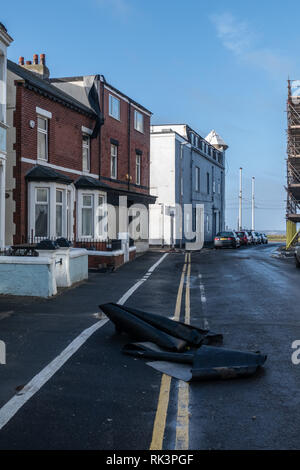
{"x":259,"y":237}
{"x":265,"y":238}
{"x":244,"y":237}
{"x":227,"y":239}
{"x":256,"y":240}
{"x":250,"y":235}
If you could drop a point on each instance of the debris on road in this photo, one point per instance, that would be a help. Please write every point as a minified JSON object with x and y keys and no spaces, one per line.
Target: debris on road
{"x":180,"y":350}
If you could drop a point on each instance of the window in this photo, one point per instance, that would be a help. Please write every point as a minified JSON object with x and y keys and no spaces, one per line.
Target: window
{"x":207,"y":224}
{"x":59,"y":213}
{"x":114,"y":107}
{"x":207,"y":182}
{"x":209,"y":151}
{"x":138,"y":121}
{"x":196,"y":141}
{"x":113,"y":161}
{"x":69,"y":216}
{"x":41,"y":212}
{"x":85,"y":152}
{"x":197,"y":179}
{"x":101,"y":216}
{"x":87,"y":215}
{"x":42,"y":148}
{"x":138,"y":169}
{"x":192,"y":138}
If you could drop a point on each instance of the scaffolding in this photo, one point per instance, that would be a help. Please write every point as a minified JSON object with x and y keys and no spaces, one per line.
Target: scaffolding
{"x":293,"y":163}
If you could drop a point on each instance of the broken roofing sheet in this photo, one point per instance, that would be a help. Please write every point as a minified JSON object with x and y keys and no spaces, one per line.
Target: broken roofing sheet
{"x":180,"y":350}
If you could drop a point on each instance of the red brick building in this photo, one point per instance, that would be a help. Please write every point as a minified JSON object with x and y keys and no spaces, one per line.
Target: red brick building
{"x":69,"y":155}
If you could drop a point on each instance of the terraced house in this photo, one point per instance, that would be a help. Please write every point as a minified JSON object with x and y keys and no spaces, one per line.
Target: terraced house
{"x":73,"y":150}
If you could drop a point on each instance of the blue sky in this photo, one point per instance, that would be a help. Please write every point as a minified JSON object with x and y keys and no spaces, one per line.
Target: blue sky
{"x":220,"y":65}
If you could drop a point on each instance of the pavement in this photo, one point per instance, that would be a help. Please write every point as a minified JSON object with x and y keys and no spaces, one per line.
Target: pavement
{"x":101,"y":399}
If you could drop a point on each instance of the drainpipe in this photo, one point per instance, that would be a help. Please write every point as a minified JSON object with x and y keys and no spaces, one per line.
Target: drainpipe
{"x":129,"y":146}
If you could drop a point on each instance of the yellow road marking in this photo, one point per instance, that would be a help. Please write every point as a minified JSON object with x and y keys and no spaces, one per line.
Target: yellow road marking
{"x":165,"y":386}
{"x":161,"y":413}
{"x":182,"y":424}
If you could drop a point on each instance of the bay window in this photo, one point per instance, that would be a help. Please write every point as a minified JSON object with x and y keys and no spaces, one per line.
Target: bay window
{"x":50,"y":210}
{"x":92,"y":214}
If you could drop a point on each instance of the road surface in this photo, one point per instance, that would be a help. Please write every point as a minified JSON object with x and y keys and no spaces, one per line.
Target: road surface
{"x":101,"y":399}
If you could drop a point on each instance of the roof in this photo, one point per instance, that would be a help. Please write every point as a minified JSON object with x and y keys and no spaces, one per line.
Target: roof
{"x":45,"y":86}
{"x":101,"y":78}
{"x":89,"y":182}
{"x":214,"y":139}
{"x":44,"y":173}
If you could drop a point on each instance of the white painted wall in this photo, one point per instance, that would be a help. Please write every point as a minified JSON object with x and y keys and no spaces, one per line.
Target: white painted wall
{"x":5,"y":41}
{"x":162,"y":185}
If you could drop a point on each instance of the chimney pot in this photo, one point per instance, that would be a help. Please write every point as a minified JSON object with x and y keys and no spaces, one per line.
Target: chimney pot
{"x":21,"y":60}
{"x":28,"y":62}
{"x":43,"y":59}
{"x":35,"y":59}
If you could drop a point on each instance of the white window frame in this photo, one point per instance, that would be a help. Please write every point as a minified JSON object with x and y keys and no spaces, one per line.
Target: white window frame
{"x":88,"y":147}
{"x":99,"y":215}
{"x":46,"y":203}
{"x":113,"y":156}
{"x":113,"y":98}
{"x":60,"y":204}
{"x":136,"y":114}
{"x":43,"y":132}
{"x":52,"y":187}
{"x":138,"y":169}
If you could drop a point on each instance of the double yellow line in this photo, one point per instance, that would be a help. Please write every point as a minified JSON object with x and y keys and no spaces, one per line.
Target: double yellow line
{"x":182,"y":424}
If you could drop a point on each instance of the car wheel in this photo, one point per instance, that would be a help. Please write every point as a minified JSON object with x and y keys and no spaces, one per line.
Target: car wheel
{"x":297,"y":262}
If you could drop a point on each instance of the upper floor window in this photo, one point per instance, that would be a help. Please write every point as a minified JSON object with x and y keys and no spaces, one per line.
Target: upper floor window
{"x":86,"y":152}
{"x":197,"y":178}
{"x":196,"y":141}
{"x":114,"y":107}
{"x":42,"y":130}
{"x":113,"y":161}
{"x":138,"y":121}
{"x":207,"y":183}
{"x":138,"y":169}
{"x":192,"y":138}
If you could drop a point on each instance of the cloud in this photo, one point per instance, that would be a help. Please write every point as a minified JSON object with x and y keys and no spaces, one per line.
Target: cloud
{"x":237,"y":37}
{"x":121,"y":7}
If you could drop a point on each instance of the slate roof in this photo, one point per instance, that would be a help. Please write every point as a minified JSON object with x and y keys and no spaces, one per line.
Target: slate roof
{"x":44,"y":86}
{"x":44,"y":173}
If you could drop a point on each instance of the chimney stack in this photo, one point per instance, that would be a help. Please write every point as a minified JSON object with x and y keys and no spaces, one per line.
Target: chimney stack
{"x":39,"y":68}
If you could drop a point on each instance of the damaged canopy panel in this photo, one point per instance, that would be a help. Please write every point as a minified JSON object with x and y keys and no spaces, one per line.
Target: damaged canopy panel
{"x":180,"y":350}
{"x":169,"y":334}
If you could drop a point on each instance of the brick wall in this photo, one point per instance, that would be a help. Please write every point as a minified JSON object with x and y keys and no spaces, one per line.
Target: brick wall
{"x":64,"y":145}
{"x":128,"y":143}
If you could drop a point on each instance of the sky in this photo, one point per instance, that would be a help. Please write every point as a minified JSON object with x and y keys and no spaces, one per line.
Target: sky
{"x":219,"y":65}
